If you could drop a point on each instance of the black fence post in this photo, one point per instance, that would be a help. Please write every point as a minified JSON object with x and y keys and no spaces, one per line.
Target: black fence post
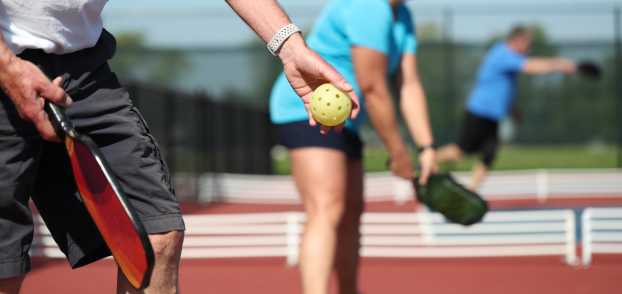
{"x":201,"y":129}
{"x":169,"y":129}
{"x":219,"y":113}
{"x":617,"y":19}
{"x":450,"y":73}
{"x":238,"y":132}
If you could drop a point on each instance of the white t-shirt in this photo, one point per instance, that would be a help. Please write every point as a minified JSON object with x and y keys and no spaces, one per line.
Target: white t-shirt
{"x":55,"y":26}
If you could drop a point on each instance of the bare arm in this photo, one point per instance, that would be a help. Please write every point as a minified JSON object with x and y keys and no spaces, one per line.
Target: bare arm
{"x":27,"y":87}
{"x":305,"y":70}
{"x":414,"y":108}
{"x":413,"y":102}
{"x":540,"y":65}
{"x":264,"y":17}
{"x":370,"y":67}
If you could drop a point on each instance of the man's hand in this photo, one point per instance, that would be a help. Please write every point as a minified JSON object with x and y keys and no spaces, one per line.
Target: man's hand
{"x":27,"y":87}
{"x":306,"y":70}
{"x":427,"y":161}
{"x":401,"y":164}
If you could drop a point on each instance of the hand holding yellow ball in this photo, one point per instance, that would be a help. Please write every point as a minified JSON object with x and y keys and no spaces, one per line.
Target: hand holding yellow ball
{"x":330,"y":106}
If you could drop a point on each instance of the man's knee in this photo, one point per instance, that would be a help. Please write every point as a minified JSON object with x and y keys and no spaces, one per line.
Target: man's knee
{"x":167,"y":245}
{"x":457,"y":152}
{"x":451,"y":152}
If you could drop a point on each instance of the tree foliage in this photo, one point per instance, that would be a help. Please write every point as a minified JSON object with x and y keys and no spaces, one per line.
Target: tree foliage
{"x":135,"y":61}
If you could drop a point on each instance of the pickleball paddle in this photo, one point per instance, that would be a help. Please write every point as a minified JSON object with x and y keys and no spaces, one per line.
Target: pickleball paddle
{"x":589,"y":69}
{"x":105,"y":201}
{"x":443,"y":194}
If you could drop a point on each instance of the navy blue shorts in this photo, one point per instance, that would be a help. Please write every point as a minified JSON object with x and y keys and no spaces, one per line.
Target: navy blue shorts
{"x":300,"y":134}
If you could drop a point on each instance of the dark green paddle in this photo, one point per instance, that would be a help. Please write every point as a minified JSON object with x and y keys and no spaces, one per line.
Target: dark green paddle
{"x":442,"y":193}
{"x":589,"y":69}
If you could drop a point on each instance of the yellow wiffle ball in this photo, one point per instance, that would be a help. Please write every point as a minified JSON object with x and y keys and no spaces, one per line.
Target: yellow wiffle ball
{"x":330,"y":106}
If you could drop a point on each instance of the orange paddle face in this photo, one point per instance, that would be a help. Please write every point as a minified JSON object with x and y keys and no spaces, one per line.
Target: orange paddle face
{"x":105,"y":203}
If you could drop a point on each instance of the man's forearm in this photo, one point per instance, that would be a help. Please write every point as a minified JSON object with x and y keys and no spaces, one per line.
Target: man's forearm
{"x":381,"y":112}
{"x":415,"y":111}
{"x":6,"y":55}
{"x":543,"y":65}
{"x":266,"y":18}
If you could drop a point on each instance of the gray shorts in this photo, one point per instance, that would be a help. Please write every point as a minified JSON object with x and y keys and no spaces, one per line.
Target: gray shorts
{"x":31,"y":168}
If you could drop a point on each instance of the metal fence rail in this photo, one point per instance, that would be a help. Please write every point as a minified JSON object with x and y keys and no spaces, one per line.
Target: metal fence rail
{"x":602,"y":232}
{"x":500,"y":234}
{"x":414,"y":235}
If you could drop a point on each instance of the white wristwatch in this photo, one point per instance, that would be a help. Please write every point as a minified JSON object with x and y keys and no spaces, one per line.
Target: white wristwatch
{"x":280,"y":37}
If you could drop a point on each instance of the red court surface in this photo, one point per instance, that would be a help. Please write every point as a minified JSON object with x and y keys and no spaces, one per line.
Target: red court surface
{"x":381,"y":276}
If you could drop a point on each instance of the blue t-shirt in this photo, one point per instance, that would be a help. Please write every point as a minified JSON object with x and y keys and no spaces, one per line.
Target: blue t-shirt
{"x":495,"y":88}
{"x":342,"y":25}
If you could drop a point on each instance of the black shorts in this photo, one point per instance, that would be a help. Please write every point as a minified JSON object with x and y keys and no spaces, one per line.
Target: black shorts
{"x":301,"y":134}
{"x":31,"y":168}
{"x":479,"y":135}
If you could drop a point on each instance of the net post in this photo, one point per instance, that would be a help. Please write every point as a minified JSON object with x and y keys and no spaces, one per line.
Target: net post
{"x":542,"y":184}
{"x":402,"y":190}
{"x":292,"y":232}
{"x":571,"y":238}
{"x":586,"y":237}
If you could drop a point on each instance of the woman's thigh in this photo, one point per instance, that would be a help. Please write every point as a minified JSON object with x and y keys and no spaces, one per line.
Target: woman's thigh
{"x":321,"y":176}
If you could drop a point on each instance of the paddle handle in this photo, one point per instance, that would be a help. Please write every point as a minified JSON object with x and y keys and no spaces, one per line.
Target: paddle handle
{"x":61,"y":122}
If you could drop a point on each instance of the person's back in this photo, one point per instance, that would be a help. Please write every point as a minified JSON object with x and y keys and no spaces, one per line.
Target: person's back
{"x":495,"y":87}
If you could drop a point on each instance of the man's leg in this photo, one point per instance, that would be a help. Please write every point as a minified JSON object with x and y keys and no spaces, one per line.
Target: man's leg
{"x":104,"y":111}
{"x":489,"y":153}
{"x":480,"y":170}
{"x":348,"y":236}
{"x":146,"y":181}
{"x":450,"y":152}
{"x":165,"y":277}
{"x":19,"y":146}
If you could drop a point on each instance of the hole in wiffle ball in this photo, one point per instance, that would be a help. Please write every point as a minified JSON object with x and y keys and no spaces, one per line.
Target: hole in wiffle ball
{"x":327,"y":103}
{"x":339,"y":108}
{"x":337,"y":96}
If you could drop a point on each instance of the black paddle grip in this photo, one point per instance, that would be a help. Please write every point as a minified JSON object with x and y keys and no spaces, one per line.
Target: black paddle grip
{"x":60,"y":121}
